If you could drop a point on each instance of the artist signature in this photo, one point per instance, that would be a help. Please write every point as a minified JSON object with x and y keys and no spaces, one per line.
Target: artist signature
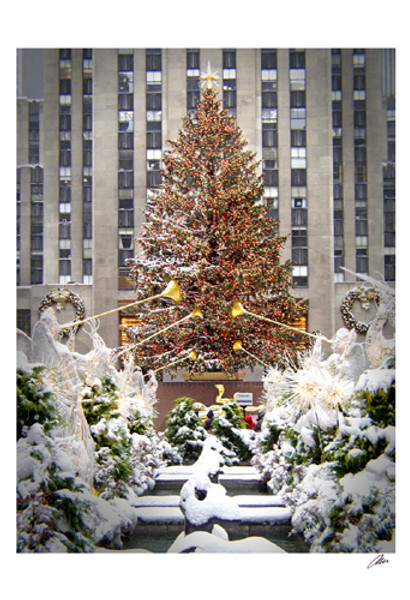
{"x":379,"y":560}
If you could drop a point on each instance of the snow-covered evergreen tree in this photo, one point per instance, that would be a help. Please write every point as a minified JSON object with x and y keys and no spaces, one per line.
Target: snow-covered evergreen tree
{"x":229,"y":428}
{"x":184,"y":429}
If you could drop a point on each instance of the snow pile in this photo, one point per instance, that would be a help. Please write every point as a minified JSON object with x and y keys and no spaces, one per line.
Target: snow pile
{"x":218,"y":541}
{"x":210,"y":460}
{"x":201,"y":501}
{"x":375,"y":379}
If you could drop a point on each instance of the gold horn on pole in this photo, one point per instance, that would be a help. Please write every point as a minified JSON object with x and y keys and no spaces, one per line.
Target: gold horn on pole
{"x":191,"y":355}
{"x":238,"y":309}
{"x":171,"y":291}
{"x":238,"y":346}
{"x":195,"y":313}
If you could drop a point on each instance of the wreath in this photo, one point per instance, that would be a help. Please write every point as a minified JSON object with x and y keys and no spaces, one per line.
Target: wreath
{"x":364,"y":295}
{"x":59,"y":297}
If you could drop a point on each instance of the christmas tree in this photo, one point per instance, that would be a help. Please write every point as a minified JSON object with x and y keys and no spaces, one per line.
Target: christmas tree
{"x":208,"y":228}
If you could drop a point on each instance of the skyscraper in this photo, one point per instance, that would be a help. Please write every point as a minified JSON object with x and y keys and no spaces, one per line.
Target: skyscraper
{"x":321,"y":122}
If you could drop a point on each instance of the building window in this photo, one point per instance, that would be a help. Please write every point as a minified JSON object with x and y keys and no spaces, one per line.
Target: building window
{"x":298,"y":164}
{"x":362,"y":261}
{"x":268,"y":59}
{"x":390,"y":267}
{"x":389,"y":194}
{"x":34,"y":132}
{"x":269,"y":114}
{"x":64,"y":227}
{"x":192,"y":80}
{"x":24,"y":320}
{"x":269,"y":135}
{"x":36,"y":226}
{"x":296,"y":59}
{"x":229,"y":80}
{"x":126,"y":146}
{"x":154,"y":109}
{"x":153,"y":60}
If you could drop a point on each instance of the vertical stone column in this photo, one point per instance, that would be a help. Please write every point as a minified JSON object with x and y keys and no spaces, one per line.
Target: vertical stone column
{"x":284,"y":151}
{"x":348,"y":162}
{"x":76,"y":166}
{"x":249,"y":95}
{"x":377,"y":153}
{"x":319,"y":191}
{"x":51,"y":164}
{"x":140,"y":152}
{"x":173,"y":93}
{"x":105,"y":192}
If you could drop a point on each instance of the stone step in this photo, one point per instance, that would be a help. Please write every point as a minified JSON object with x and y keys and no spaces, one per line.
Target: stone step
{"x":249,"y":514}
{"x":167,"y":521}
{"x":243,"y":501}
{"x":235,"y":477}
{"x":164,"y":510}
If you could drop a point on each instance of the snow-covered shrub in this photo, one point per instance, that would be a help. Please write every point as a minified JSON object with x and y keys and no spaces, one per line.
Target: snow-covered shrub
{"x":379,"y":405}
{"x":353,"y":514}
{"x":60,"y":465}
{"x":125,"y":460}
{"x":333,"y":463}
{"x":56,"y":509}
{"x":100,"y":400}
{"x":50,"y":507}
{"x":35,"y":402}
{"x":229,"y":427}
{"x":169,"y":453}
{"x":184,"y":429}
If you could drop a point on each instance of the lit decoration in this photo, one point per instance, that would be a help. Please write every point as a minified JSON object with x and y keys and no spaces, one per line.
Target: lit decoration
{"x":209,"y":79}
{"x":312,"y":382}
{"x":60,"y":297}
{"x":364,"y":295}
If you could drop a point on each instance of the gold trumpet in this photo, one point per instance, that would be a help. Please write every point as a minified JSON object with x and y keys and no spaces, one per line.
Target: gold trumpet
{"x":171,"y":291}
{"x":238,"y":346}
{"x":238,"y":309}
{"x":191,"y":355}
{"x":195,"y":313}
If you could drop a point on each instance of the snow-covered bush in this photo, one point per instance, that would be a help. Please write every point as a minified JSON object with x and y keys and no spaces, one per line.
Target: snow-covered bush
{"x":353,"y":514}
{"x":125,"y":461}
{"x":327,"y":447}
{"x":50,"y":507}
{"x":184,"y":429}
{"x":56,"y":509}
{"x":170,"y":454}
{"x":35,"y":401}
{"x":61,"y":465}
{"x":229,"y":427}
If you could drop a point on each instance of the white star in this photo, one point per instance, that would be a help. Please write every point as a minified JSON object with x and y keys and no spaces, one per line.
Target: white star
{"x":209,"y":79}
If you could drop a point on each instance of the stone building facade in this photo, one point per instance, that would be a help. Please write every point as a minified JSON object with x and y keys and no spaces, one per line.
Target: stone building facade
{"x":320,"y":121}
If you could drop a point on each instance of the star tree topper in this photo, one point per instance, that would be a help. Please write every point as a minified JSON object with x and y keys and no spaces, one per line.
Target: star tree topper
{"x":209,"y":79}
